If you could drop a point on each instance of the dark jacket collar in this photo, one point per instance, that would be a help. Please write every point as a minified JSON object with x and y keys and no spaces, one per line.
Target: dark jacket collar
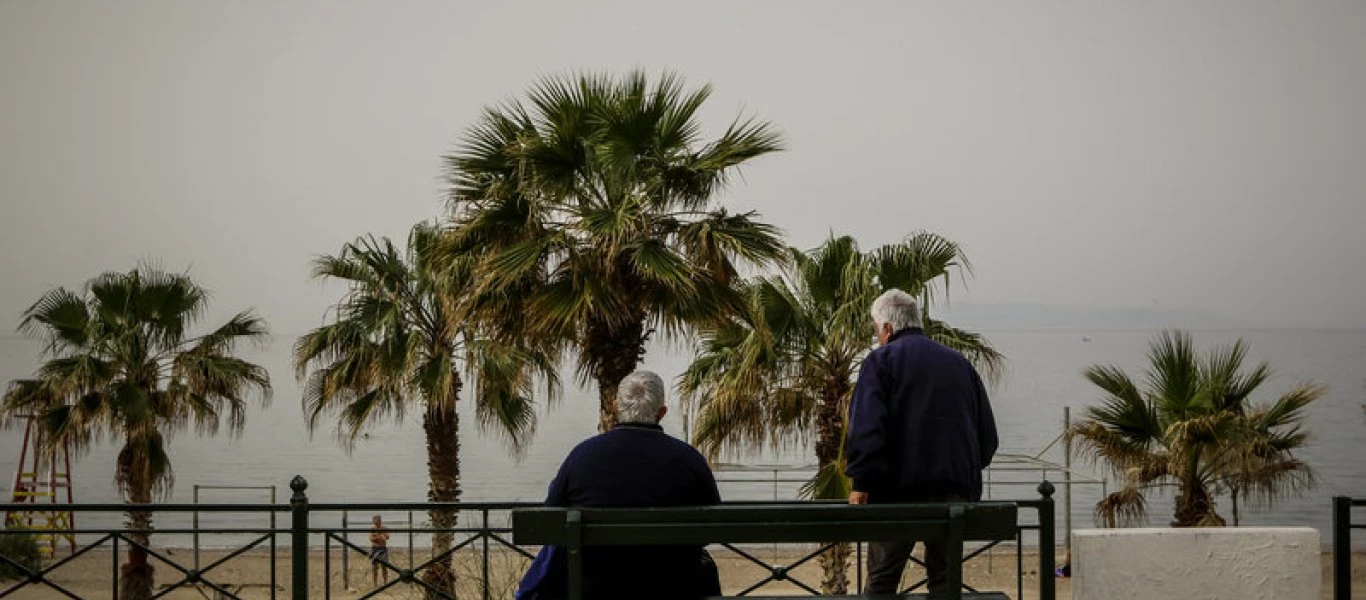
{"x":909,"y":331}
{"x":654,"y":426}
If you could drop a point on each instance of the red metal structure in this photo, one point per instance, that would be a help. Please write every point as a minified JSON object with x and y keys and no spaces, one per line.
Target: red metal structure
{"x":44,"y":480}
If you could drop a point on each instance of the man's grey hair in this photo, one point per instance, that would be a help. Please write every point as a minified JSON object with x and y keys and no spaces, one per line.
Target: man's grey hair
{"x":639,"y":397}
{"x":898,"y":308}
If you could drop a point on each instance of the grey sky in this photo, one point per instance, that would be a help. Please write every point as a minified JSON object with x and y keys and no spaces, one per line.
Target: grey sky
{"x":1198,"y":155}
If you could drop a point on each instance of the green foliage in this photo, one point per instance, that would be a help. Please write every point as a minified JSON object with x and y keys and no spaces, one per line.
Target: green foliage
{"x":785,"y":366}
{"x":397,"y":342}
{"x":20,"y":547}
{"x":121,"y":363}
{"x":589,"y":208}
{"x":1193,"y":425}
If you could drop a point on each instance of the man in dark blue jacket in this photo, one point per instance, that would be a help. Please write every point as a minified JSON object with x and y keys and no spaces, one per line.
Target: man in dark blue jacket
{"x":635,"y":464}
{"x":920,"y":430}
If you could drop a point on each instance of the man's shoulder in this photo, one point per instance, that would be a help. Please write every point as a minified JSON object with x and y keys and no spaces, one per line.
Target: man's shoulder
{"x":619,"y":437}
{"x":588,"y":445}
{"x":669,"y":443}
{"x":684,"y":448}
{"x":924,"y":346}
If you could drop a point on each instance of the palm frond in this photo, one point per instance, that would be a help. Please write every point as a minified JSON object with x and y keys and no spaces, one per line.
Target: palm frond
{"x":829,"y":483}
{"x":1175,"y":377}
{"x":1125,"y":507}
{"x":1093,"y":440}
{"x":987,"y":359}
{"x":504,"y":378}
{"x":60,"y":318}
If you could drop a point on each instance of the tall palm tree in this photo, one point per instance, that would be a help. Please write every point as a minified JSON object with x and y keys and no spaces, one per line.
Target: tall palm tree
{"x":786,"y":366}
{"x":592,"y":206}
{"x":1193,"y":426}
{"x":122,"y":363}
{"x":394,"y":344}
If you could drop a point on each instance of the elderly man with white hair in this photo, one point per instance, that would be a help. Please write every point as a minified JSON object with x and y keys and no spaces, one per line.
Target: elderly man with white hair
{"x":920,"y":430}
{"x":635,"y":464}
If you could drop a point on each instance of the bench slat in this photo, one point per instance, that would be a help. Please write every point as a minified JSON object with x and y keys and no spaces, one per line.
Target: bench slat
{"x":701,"y":525}
{"x":738,"y":532}
{"x":966,"y":596}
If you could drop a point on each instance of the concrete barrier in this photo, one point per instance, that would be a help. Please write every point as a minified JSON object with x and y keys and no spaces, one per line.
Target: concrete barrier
{"x":1234,"y":563}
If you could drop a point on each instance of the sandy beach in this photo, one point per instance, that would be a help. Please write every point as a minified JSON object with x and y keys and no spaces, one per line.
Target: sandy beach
{"x":248,"y":575}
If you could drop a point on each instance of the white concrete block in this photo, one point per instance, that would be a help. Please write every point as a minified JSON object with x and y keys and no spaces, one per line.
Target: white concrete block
{"x":1217,"y":563}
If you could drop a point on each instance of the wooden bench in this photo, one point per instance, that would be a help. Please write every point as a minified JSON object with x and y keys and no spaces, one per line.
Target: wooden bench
{"x":952,"y":523}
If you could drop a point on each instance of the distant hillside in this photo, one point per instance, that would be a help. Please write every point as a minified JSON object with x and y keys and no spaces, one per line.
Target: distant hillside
{"x":1042,"y":316}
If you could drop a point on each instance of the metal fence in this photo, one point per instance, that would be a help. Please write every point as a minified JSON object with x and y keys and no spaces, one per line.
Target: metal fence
{"x":482,"y":539}
{"x":1342,"y":544}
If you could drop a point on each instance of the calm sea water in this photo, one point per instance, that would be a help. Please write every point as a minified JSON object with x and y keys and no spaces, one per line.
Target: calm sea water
{"x":1043,"y":378}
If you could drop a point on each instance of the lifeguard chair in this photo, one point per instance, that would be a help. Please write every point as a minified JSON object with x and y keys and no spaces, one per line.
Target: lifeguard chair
{"x":43,"y":479}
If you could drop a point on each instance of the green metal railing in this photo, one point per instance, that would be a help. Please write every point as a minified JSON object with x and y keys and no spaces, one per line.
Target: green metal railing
{"x":1342,"y":544}
{"x":484,"y":537}
{"x":121,"y":539}
{"x":311,"y":525}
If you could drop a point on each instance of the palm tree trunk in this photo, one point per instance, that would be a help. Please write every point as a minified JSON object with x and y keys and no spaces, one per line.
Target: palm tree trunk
{"x":442,"y":426}
{"x":1195,"y":507}
{"x":614,"y":351}
{"x":137,"y":576}
{"x":829,"y":429}
{"x":1235,"y":506}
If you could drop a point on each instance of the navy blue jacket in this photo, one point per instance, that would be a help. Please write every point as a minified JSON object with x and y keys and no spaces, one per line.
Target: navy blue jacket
{"x":632,"y":466}
{"x":920,"y":424}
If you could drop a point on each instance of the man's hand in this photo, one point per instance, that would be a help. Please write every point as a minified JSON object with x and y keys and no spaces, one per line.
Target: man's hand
{"x":857,"y":497}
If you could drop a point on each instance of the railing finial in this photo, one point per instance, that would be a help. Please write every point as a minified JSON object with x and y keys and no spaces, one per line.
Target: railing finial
{"x":298,"y":484}
{"x":1046,"y":489}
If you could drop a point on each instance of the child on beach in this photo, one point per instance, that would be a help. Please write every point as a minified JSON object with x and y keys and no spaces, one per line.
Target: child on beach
{"x":379,"y":551}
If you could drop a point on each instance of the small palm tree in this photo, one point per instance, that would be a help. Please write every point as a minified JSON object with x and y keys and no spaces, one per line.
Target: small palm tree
{"x":592,"y":207}
{"x":395,"y":344}
{"x":121,"y":363}
{"x":1194,"y":426}
{"x":786,"y":366}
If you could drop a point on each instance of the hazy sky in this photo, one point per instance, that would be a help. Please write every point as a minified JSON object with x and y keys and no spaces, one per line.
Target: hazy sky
{"x":1197,"y":155}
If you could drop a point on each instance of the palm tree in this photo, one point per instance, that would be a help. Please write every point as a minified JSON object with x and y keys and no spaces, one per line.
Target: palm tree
{"x":591,"y":205}
{"x":393,"y":345}
{"x":786,"y":366}
{"x":1193,"y":426}
{"x":122,"y":364}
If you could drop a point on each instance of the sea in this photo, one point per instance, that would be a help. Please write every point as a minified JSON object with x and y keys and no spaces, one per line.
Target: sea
{"x":1043,"y":379}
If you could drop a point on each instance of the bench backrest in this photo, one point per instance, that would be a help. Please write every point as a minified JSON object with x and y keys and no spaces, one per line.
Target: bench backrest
{"x":578,"y":528}
{"x":983,"y":521}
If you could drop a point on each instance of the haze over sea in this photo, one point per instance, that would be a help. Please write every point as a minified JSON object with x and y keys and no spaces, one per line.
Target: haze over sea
{"x":1043,"y":377}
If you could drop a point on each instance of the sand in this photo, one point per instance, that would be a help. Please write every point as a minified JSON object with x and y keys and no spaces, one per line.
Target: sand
{"x":248,"y":575}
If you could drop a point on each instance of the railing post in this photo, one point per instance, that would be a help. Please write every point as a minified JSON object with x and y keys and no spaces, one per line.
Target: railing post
{"x":274,"y":539}
{"x":298,"y":505}
{"x":1342,"y":548}
{"x":346,"y":551}
{"x":1047,"y":581}
{"x":485,"y":534}
{"x":1067,"y":479}
{"x":196,"y":527}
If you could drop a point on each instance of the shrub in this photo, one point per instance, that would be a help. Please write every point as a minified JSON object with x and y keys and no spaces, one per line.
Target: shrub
{"x":21,"y":548}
